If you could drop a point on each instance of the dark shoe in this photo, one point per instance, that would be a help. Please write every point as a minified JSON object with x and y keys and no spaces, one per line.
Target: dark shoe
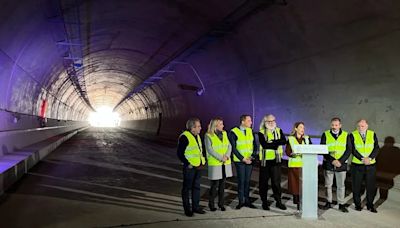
{"x":240,"y":205}
{"x":343,"y":208}
{"x":199,"y":211}
{"x":327,"y":206}
{"x":372,"y":209}
{"x":189,"y":213}
{"x":212,"y":207}
{"x":358,"y":208}
{"x":280,"y":205}
{"x":296,"y":199}
{"x":250,"y":205}
{"x":222,"y":208}
{"x":265,"y":206}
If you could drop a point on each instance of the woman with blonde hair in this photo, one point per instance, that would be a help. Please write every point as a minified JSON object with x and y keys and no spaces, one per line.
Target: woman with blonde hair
{"x":295,"y":162}
{"x":218,"y":151}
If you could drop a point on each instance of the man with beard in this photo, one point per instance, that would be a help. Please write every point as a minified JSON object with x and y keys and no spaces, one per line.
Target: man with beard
{"x":271,"y":140}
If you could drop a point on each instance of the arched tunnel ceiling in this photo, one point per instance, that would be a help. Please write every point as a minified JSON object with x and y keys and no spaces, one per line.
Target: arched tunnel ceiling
{"x":121,"y":42}
{"x":126,"y":41}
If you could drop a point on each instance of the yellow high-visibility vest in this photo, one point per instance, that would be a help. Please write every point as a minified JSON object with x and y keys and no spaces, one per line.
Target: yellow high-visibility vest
{"x":220,"y":147}
{"x":269,"y":153}
{"x":336,"y":147}
{"x":365,"y":149}
{"x":296,"y":161}
{"x":193,"y":151}
{"x":244,"y":143}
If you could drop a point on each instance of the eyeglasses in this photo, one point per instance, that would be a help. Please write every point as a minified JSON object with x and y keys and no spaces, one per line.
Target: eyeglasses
{"x":270,"y":121}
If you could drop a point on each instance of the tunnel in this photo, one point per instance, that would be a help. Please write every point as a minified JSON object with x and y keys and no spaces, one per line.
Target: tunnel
{"x":155,"y":64}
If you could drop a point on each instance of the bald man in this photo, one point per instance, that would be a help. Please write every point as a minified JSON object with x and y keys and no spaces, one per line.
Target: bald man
{"x":364,"y":149}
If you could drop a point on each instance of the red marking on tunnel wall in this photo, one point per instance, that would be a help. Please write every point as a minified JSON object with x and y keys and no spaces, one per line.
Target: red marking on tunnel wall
{"x":43,"y":108}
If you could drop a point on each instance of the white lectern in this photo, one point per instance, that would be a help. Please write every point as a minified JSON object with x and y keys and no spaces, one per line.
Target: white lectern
{"x":309,"y":202}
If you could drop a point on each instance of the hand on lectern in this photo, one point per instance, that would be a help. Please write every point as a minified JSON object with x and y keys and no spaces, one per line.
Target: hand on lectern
{"x":294,"y":154}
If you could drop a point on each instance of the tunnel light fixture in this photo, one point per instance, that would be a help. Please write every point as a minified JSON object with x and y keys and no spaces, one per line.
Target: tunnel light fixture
{"x":104,"y":117}
{"x":200,"y":92}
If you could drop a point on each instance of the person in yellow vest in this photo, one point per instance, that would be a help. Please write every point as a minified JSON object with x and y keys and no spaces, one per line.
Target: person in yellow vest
{"x":364,"y":149}
{"x":190,"y":152}
{"x":218,"y":159}
{"x":244,"y":150}
{"x":295,"y":163}
{"x":335,"y":163}
{"x":271,"y":140}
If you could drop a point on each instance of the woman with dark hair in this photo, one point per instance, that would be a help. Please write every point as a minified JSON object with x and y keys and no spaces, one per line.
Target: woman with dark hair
{"x":295,"y":162}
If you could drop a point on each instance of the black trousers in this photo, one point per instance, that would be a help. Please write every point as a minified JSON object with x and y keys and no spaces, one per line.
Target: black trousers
{"x":358,"y":174}
{"x":272,"y":171}
{"x":191,"y":188}
{"x":221,"y":190}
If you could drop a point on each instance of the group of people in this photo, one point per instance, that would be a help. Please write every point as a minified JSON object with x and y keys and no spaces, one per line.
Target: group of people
{"x":244,"y":148}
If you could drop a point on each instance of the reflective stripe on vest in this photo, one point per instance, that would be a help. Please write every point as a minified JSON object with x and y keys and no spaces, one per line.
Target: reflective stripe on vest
{"x":193,"y":151}
{"x":244,"y":143}
{"x":296,"y":161}
{"x":268,"y":153}
{"x":336,"y":147}
{"x":365,"y":149}
{"x":220,"y":147}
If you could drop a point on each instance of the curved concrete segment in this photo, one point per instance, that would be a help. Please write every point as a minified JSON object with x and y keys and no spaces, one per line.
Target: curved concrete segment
{"x":16,"y":164}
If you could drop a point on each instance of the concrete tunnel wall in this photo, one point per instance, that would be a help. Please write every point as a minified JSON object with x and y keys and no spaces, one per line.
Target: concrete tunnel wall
{"x":305,"y":61}
{"x":28,"y":75}
{"x":29,"y":72}
{"x":284,"y":61}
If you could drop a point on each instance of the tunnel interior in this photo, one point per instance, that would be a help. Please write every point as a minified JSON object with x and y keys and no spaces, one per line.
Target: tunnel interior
{"x":158,"y":63}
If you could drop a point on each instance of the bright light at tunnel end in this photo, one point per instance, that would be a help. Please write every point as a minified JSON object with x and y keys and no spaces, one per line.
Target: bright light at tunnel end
{"x":104,"y":117}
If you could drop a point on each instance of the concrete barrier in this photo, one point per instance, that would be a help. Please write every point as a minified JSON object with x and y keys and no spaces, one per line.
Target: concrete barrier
{"x":14,"y":140}
{"x":16,"y":164}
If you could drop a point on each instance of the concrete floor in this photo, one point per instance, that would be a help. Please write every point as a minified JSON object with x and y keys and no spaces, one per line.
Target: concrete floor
{"x":117,"y":178}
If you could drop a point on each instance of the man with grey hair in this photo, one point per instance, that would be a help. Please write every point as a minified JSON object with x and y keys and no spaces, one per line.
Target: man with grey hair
{"x":190,"y":152}
{"x":271,"y":140}
{"x":364,"y":149}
